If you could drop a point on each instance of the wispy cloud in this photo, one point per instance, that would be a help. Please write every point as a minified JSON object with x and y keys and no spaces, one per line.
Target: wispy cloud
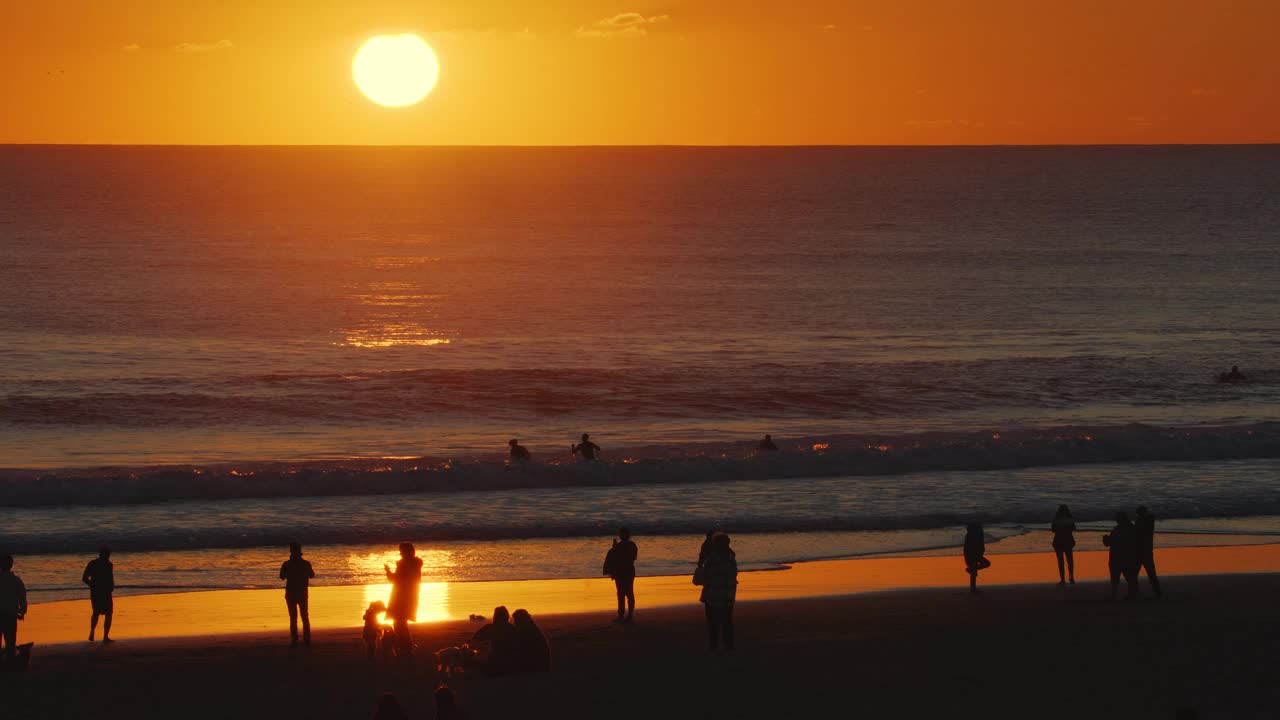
{"x":628,"y":24}
{"x":187,"y":47}
{"x":131,"y":47}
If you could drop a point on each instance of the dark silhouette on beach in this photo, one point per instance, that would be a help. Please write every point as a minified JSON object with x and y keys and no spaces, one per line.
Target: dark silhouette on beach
{"x":501,"y":637}
{"x":403,"y":607}
{"x":447,"y":705}
{"x":372,"y":632}
{"x":718,"y":576}
{"x":706,"y":547}
{"x":297,"y":573}
{"x":13,"y":607}
{"x":975,"y":551}
{"x":533,"y":652}
{"x":620,"y":564}
{"x":1144,"y":526}
{"x":388,"y":708}
{"x":586,"y":449}
{"x":1064,"y":540}
{"x":519,"y":453}
{"x":766,"y":445}
{"x":99,"y":575}
{"x":1123,"y":558}
{"x":1234,"y":376}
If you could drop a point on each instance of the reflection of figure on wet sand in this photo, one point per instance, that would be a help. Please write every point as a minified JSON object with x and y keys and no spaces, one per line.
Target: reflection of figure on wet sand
{"x":975,"y":550}
{"x":1122,"y":558}
{"x":501,"y":636}
{"x":13,"y":607}
{"x":297,"y":574}
{"x":718,"y":576}
{"x":389,"y":709}
{"x":519,"y":452}
{"x":403,"y":607}
{"x":1064,"y":541}
{"x":620,"y":564}
{"x":533,"y":653}
{"x":1145,"y":540}
{"x":99,"y":575}
{"x":373,"y":628}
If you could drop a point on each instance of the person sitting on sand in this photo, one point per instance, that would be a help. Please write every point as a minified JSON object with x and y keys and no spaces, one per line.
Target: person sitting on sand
{"x":1144,"y":527}
{"x":585,"y":450}
{"x":533,"y":653}
{"x":297,"y":574}
{"x":13,"y":607}
{"x":1122,"y":558}
{"x":1064,"y":541}
{"x":403,"y":606}
{"x":447,"y":705}
{"x":975,"y":551}
{"x":519,"y":453}
{"x":99,"y":575}
{"x":501,"y":636}
{"x":718,"y":576}
{"x":389,"y":709}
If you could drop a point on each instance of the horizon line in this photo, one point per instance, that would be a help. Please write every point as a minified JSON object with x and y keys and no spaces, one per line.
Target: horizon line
{"x":652,"y":145}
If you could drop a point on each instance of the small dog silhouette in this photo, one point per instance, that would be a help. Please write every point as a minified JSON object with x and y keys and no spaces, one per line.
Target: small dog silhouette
{"x":373,"y":628}
{"x":453,"y":661}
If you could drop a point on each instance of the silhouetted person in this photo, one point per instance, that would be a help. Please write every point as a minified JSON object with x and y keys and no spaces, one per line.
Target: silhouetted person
{"x":372,"y":632}
{"x":533,"y":654}
{"x":719,"y":575}
{"x":975,"y":552}
{"x":766,"y":445}
{"x":1234,"y":376}
{"x":501,"y":636}
{"x":586,"y":449}
{"x":13,"y":607}
{"x":389,"y":709}
{"x":1123,"y":557}
{"x":447,"y":705}
{"x":620,"y":564}
{"x":1064,"y":541}
{"x":99,"y":575}
{"x":1144,"y":527}
{"x":706,"y":548}
{"x":519,"y":453}
{"x":297,"y":574}
{"x":403,"y":607}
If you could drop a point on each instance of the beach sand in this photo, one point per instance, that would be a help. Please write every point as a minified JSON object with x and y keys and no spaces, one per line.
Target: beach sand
{"x":1016,"y":651}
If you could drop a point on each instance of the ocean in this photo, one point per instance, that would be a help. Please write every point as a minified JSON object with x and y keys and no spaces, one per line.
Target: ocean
{"x":207,"y":352}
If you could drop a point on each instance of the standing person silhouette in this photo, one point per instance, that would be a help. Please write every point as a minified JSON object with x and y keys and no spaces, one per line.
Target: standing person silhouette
{"x":586,"y":449}
{"x":403,"y":607}
{"x":1064,"y":541}
{"x":99,"y":575}
{"x":1123,"y":556}
{"x":1145,"y":541}
{"x":621,"y":562}
{"x":13,"y":607}
{"x":719,"y":580}
{"x":975,"y":550}
{"x":297,"y":574}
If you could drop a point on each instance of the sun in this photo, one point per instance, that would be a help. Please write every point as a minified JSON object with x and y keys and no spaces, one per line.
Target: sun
{"x":395,"y":70}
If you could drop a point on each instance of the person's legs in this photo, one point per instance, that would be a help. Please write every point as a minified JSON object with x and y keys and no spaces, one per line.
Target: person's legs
{"x":1071,"y":565}
{"x":1115,"y":579}
{"x":1131,"y":582}
{"x":306,"y":621}
{"x":93,"y":625}
{"x":9,"y":634}
{"x":726,"y":620}
{"x":1062,"y":576}
{"x":1149,"y":564}
{"x":713,"y":627}
{"x":622,"y":596}
{"x":404,"y":642}
{"x":106,"y":626}
{"x":630,"y":595}
{"x":293,"y":620}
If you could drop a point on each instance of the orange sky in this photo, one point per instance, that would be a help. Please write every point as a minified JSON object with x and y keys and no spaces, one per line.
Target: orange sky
{"x":685,"y":72}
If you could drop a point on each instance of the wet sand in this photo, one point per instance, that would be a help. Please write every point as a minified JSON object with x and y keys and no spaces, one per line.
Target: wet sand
{"x":1015,"y":651}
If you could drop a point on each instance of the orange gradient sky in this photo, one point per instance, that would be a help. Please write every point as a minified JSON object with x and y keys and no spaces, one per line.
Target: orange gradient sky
{"x":515,"y":72}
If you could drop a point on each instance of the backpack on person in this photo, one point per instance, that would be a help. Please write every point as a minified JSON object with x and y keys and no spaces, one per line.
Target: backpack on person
{"x":611,"y":559}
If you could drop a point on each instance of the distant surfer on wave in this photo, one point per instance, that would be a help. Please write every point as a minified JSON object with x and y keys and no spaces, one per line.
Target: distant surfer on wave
{"x":766,"y":445}
{"x":519,"y":453}
{"x":586,"y":450}
{"x":1234,"y":376}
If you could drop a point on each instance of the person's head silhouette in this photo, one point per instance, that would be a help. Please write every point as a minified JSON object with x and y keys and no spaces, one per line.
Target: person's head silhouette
{"x":295,"y":549}
{"x":624,"y":533}
{"x":389,"y":709}
{"x":406,"y":550}
{"x":501,"y":615}
{"x":1063,"y":511}
{"x":512,"y":442}
{"x":104,"y":552}
{"x":586,"y":437}
{"x":1142,"y":511}
{"x":6,"y":562}
{"x":446,"y":700}
{"x":1122,"y":517}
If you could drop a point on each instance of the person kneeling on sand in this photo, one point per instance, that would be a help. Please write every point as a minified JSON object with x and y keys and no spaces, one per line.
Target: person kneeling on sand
{"x":975,"y":550}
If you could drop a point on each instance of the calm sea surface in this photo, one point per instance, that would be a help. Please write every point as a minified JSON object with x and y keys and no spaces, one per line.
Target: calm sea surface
{"x":227,"y":307}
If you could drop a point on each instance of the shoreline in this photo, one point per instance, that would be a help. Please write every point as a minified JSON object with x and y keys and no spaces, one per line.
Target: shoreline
{"x":233,"y":612}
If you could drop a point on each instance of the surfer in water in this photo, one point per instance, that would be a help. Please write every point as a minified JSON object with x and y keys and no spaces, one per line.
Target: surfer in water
{"x":586,"y":449}
{"x":766,"y":445}
{"x":519,"y":453}
{"x":1234,"y":376}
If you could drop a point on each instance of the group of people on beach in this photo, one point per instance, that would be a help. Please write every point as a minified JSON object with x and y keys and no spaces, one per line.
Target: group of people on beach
{"x":585,"y":450}
{"x":1131,"y":549}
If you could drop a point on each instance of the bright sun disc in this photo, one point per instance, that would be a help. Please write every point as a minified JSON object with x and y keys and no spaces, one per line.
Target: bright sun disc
{"x":395,"y":70}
